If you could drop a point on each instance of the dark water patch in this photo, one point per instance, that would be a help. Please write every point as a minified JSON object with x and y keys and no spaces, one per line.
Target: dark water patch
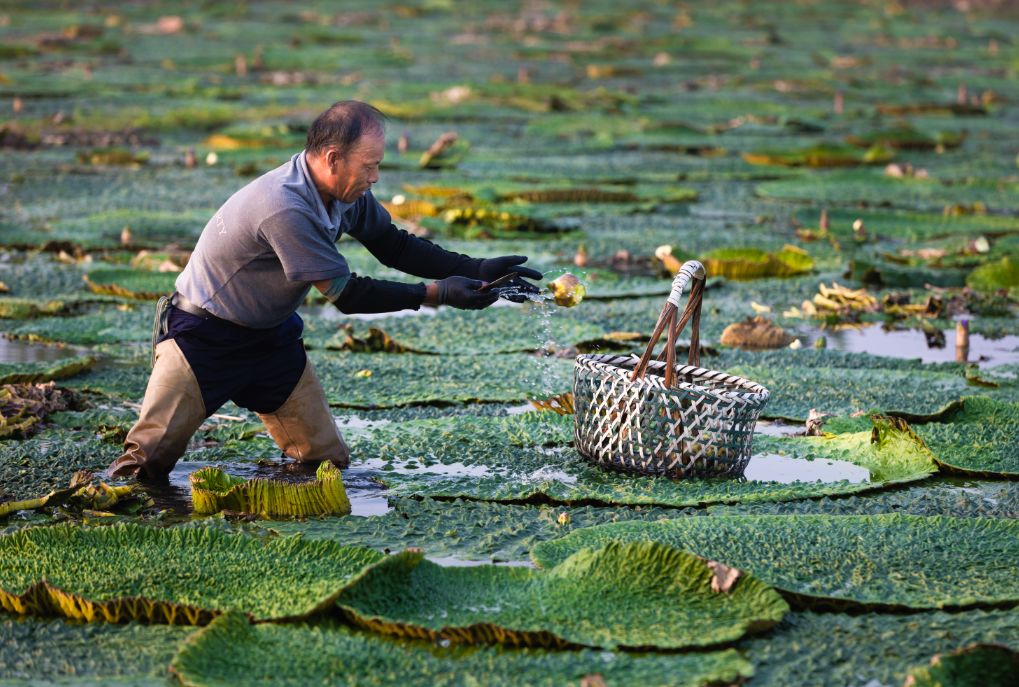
{"x":770,"y":467}
{"x":777,"y":428}
{"x":931,"y":347}
{"x":17,"y":351}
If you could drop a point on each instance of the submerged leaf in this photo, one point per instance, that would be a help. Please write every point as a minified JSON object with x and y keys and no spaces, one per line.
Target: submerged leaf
{"x":212,"y":491}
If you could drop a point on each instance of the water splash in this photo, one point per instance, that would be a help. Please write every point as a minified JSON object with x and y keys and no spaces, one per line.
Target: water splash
{"x":543,"y":385}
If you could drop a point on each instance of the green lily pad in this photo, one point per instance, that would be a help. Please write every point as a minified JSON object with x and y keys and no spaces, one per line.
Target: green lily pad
{"x":55,"y":652}
{"x":978,"y":440}
{"x":871,"y":561}
{"x":529,"y":457}
{"x":32,"y":373}
{"x":487,"y":531}
{"x":1001,"y":274}
{"x":530,"y":327}
{"x":822,"y":155}
{"x":841,"y":383}
{"x":231,"y":649}
{"x":754,"y":263}
{"x":48,"y":460}
{"x":908,"y":138}
{"x":104,"y":324}
{"x":909,"y":226}
{"x":621,"y":596}
{"x":836,"y":649}
{"x":26,"y":308}
{"x":977,"y":665}
{"x":173,"y":576}
{"x":144,"y":285}
{"x":890,"y":275}
{"x":212,"y":491}
{"x":403,"y":380}
{"x":873,"y":187}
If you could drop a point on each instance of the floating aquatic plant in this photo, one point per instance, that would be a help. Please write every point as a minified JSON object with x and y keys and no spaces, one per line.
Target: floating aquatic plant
{"x":182,"y":575}
{"x":212,"y":491}
{"x":232,"y":649}
{"x":642,"y":595}
{"x":874,"y":561}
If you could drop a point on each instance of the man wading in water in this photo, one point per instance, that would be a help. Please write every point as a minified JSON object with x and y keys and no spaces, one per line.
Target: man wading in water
{"x":232,"y":332}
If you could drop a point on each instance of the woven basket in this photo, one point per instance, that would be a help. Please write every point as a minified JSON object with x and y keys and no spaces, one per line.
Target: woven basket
{"x":661,"y":418}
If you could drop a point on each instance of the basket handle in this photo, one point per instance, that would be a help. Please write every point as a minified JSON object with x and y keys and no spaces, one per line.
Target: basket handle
{"x":691,"y":271}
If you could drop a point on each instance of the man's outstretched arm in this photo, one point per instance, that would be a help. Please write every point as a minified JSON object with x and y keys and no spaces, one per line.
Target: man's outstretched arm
{"x":353,"y":294}
{"x":401,"y":250}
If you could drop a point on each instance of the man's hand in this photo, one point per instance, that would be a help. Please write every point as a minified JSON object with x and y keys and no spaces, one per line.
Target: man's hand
{"x":514,"y":290}
{"x":460,"y":292}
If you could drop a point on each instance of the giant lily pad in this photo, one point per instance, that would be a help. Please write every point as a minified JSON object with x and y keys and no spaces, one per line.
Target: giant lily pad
{"x":822,"y":155}
{"x":401,"y":380}
{"x":905,"y":192}
{"x":212,"y":490}
{"x":836,"y":649}
{"x":753,"y":263}
{"x":841,"y":383}
{"x":177,"y":576}
{"x":231,"y":649}
{"x":530,"y":327}
{"x":1000,"y":274}
{"x":137,"y":284}
{"x":979,"y":439}
{"x":52,"y":651}
{"x":34,"y":373}
{"x":871,"y":561}
{"x":977,"y":665}
{"x":529,"y":457}
{"x":645,"y":595}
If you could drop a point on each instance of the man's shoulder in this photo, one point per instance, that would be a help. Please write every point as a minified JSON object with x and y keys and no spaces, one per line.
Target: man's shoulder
{"x":276,"y":191}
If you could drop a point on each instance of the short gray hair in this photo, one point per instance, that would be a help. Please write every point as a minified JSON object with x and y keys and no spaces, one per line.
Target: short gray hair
{"x":342,"y":125}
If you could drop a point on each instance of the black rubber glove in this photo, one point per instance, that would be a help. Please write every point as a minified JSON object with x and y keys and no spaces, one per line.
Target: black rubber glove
{"x":462,"y":292}
{"x":515,"y":290}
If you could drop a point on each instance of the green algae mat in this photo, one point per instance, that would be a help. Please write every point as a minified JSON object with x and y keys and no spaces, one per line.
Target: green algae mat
{"x":877,"y":561}
{"x":638,"y":596}
{"x":231,"y":649}
{"x":174,"y":576}
{"x":529,"y":457}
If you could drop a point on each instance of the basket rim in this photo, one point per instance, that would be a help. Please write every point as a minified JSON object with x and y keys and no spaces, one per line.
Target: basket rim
{"x":616,"y":364}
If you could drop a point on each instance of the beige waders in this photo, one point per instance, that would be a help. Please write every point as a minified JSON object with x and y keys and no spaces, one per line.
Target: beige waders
{"x":173,"y":410}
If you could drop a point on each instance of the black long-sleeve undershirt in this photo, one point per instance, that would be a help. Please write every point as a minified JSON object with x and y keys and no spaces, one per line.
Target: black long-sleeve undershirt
{"x":372,"y":226}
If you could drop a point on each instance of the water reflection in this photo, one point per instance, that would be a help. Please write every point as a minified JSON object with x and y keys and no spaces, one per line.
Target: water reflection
{"x":17,"y":351}
{"x":935,"y":346}
{"x":769,"y":467}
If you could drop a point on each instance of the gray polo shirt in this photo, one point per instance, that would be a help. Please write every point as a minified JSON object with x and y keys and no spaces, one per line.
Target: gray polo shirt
{"x":257,"y":257}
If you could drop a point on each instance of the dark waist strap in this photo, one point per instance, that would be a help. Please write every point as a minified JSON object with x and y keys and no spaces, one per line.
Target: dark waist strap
{"x":178,"y":301}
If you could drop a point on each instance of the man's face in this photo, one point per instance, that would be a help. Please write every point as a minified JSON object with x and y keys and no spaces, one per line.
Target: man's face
{"x":354,"y":174}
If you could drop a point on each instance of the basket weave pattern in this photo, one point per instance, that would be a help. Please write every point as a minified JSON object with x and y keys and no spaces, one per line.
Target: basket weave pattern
{"x":628,"y":416}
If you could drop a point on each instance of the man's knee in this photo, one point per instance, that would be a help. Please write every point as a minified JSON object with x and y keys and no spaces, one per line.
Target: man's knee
{"x":304,"y":427}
